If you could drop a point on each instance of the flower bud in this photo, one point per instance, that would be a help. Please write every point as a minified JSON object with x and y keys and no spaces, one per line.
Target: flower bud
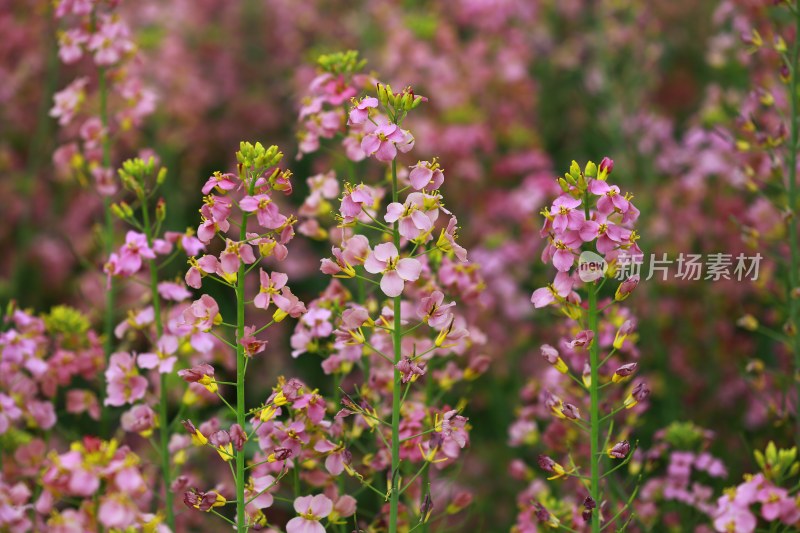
{"x":549,"y":465}
{"x":622,"y":334}
{"x":571,"y":411}
{"x":748,"y":322}
{"x":639,"y":393}
{"x":624,"y":372}
{"x":590,"y":170}
{"x":620,"y":450}
{"x":606,"y":166}
{"x":551,"y":355}
{"x":626,"y":288}
{"x":161,"y":210}
{"x":426,"y":508}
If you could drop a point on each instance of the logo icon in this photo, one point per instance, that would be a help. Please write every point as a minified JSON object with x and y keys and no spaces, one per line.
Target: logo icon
{"x":591,"y":266}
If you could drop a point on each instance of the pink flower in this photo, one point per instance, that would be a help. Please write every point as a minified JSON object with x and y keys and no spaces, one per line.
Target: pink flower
{"x":311,"y":510}
{"x":124,"y":384}
{"x":561,"y":287}
{"x":385,"y":141}
{"x":565,"y":215}
{"x":139,"y":419}
{"x":177,"y":292}
{"x":132,"y":252}
{"x":609,"y":235}
{"x":385,"y":259}
{"x":8,"y":412}
{"x":360,"y":112}
{"x":220,"y":181}
{"x":610,"y":200}
{"x":110,"y":42}
{"x":431,"y":310}
{"x":562,"y":249}
{"x":410,"y":369}
{"x":104,"y":181}
{"x":68,"y":100}
{"x":288,"y":303}
{"x":117,"y":511}
{"x":411,"y":217}
{"x":261,"y":487}
{"x":202,"y":313}
{"x":314,"y":405}
{"x":354,"y":200}
{"x":235,"y":252}
{"x":163,"y":358}
{"x":270,"y":285}
{"x":337,"y":456}
{"x":266,"y":211}
{"x":733,"y":516}
{"x":69,"y":45}
{"x":425,"y":175}
{"x":447,"y":241}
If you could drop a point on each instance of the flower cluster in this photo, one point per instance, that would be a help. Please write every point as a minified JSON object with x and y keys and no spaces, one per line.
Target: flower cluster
{"x":590,"y":224}
{"x":391,"y":310}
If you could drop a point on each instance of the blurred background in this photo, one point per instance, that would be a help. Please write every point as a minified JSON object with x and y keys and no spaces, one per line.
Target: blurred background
{"x":517,"y":89}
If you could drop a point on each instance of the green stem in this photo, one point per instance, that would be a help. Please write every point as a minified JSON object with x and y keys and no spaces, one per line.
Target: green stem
{"x":397,"y":335}
{"x":594,"y":408}
{"x":164,"y":399}
{"x":795,"y":253}
{"x":240,"y":371}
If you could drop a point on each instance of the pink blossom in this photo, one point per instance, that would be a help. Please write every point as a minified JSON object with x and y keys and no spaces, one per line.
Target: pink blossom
{"x":117,"y":511}
{"x":222,"y":182}
{"x":68,"y":101}
{"x":311,"y":510}
{"x":132,"y":252}
{"x":565,"y":213}
{"x":139,"y":419}
{"x":431,"y":310}
{"x":385,"y":259}
{"x":337,"y":456}
{"x":360,"y":112}
{"x":412,"y":221}
{"x":289,"y":303}
{"x":124,"y":384}
{"x":69,"y":45}
{"x":314,"y":405}
{"x":271,"y":284}
{"x":732,"y":515}
{"x":202,"y":313}
{"x":266,"y":211}
{"x":177,"y":292}
{"x":610,"y":197}
{"x":425,"y":175}
{"x":385,"y":141}
{"x":110,"y":42}
{"x":561,"y":287}
{"x":234,"y":253}
{"x":354,"y":200}
{"x":260,"y":496}
{"x":163,"y":358}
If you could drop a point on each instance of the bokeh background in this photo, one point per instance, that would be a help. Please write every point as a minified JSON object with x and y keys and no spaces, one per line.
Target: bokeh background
{"x":517,"y":89}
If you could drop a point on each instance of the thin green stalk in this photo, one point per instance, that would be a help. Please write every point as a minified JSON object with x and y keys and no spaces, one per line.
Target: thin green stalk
{"x":241,"y":366}
{"x":795,"y":252}
{"x":162,"y":404}
{"x":594,"y":411}
{"x":397,"y":334}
